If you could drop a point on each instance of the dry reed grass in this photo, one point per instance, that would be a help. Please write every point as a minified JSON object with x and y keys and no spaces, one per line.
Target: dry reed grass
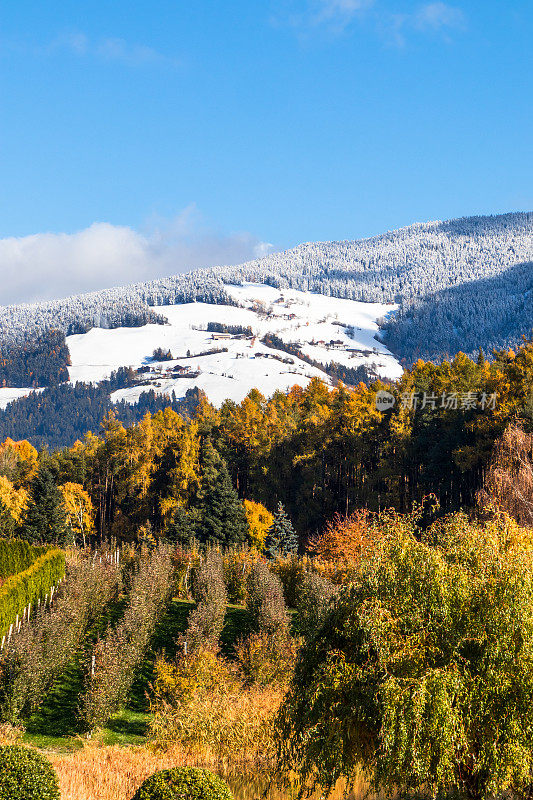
{"x":107,"y":773}
{"x":115,"y":773}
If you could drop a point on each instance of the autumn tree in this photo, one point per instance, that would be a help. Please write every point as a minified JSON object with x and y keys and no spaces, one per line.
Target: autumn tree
{"x":18,"y":462}
{"x":176,"y":470}
{"x":79,"y":512}
{"x":14,"y":500}
{"x":508,"y":482}
{"x":344,"y":538}
{"x":259,"y":522}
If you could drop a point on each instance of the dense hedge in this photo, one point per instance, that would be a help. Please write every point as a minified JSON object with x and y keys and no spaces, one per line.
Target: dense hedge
{"x":184,"y":782}
{"x":16,"y":555}
{"x":26,"y":775}
{"x":28,"y":586}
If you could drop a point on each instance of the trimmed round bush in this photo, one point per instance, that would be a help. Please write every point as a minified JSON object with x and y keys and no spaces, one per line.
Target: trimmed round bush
{"x":26,"y":775}
{"x":183,"y":783}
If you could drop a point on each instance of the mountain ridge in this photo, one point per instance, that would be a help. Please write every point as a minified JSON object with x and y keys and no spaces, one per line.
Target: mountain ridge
{"x":414,"y":266}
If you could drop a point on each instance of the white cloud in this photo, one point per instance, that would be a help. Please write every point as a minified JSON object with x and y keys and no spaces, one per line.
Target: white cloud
{"x":430,"y":18}
{"x":335,"y":16}
{"x":307,"y":17}
{"x":50,"y":265}
{"x":436,"y":16}
{"x":109,"y":49}
{"x":340,"y":10}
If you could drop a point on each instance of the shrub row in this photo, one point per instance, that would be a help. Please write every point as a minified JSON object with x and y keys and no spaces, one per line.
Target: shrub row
{"x":315,"y":595}
{"x":267,"y":655}
{"x":266,"y":604}
{"x":29,"y":586}
{"x":16,"y":555}
{"x":42,"y":649}
{"x":111,"y":670}
{"x":206,"y":621}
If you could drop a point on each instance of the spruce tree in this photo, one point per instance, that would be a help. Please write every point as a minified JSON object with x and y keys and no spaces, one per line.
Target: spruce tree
{"x":45,"y":519}
{"x":7,"y":523}
{"x":183,"y":527}
{"x":221,"y":518}
{"x":281,"y":538}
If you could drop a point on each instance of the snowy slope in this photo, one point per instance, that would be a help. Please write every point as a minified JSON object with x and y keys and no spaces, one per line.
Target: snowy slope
{"x":460,"y":285}
{"x":311,"y":320}
{"x":7,"y":395}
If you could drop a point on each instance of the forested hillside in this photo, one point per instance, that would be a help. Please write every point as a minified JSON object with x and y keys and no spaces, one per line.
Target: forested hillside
{"x":318,"y":450}
{"x":456,"y":267}
{"x":60,"y":415}
{"x":42,"y":361}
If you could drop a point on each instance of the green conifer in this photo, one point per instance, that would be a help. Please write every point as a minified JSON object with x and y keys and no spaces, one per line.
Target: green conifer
{"x":281,"y":538}
{"x":45,"y":519}
{"x":221,"y":516}
{"x":182,"y":530}
{"x":7,"y":523}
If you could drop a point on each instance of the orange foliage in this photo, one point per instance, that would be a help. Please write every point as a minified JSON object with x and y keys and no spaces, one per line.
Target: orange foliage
{"x":345,"y":538}
{"x":259,"y":520}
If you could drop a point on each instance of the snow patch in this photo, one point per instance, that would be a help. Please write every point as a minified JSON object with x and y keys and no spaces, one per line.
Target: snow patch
{"x":7,"y":395}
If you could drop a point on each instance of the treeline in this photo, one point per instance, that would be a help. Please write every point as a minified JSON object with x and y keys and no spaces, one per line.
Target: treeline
{"x":235,"y":330}
{"x":37,"y":361}
{"x":60,"y":415}
{"x":318,"y":451}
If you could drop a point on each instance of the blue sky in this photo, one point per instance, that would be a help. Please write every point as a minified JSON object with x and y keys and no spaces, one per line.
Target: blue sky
{"x":191,"y":133}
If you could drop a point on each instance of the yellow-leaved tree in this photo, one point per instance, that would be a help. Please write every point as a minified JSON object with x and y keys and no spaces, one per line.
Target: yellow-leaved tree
{"x":259,"y":521}
{"x":79,"y":511}
{"x":14,"y":500}
{"x":19,"y":462}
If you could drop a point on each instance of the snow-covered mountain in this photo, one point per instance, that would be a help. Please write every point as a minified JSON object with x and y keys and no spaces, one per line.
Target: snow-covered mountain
{"x":227,"y":365}
{"x":432,"y":289}
{"x":463,"y":265}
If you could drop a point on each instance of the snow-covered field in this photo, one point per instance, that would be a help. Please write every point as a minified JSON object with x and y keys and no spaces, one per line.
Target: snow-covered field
{"x":311,"y":320}
{"x":7,"y":395}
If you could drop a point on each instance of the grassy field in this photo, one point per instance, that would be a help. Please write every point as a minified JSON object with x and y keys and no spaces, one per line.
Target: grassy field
{"x":115,"y":773}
